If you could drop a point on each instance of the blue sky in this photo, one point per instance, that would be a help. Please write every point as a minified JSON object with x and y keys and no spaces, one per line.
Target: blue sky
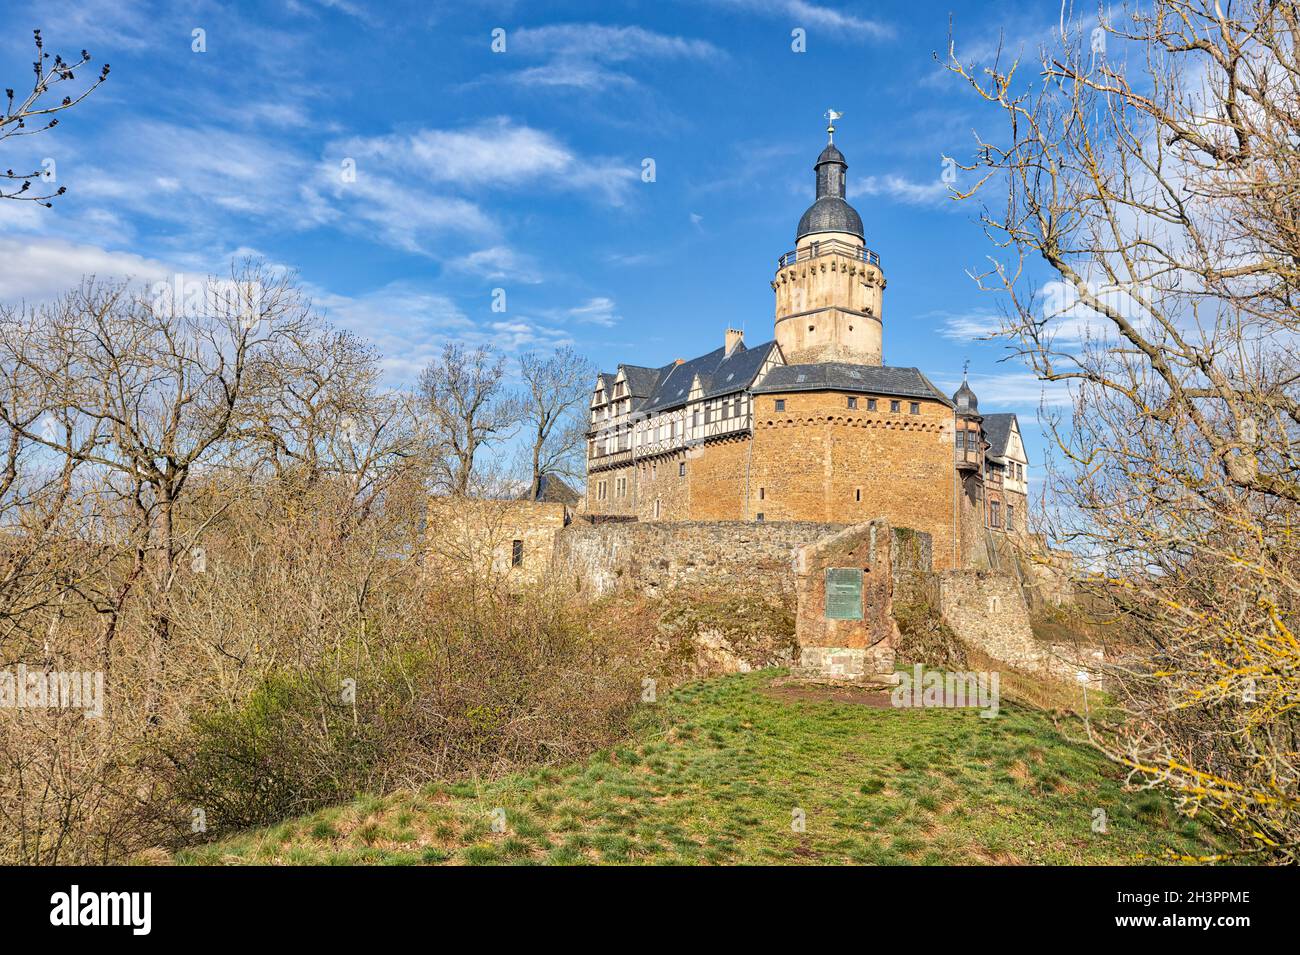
{"x":521,"y":170}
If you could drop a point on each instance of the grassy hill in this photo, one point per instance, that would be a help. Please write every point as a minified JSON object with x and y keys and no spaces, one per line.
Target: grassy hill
{"x":717,"y":770}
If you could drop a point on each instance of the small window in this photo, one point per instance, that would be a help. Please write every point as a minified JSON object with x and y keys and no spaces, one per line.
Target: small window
{"x":995,"y":515}
{"x":780,"y":404}
{"x":681,"y":469}
{"x":915,"y":407}
{"x":871,"y":404}
{"x":516,"y":553}
{"x":812,"y":328}
{"x":1011,"y":517}
{"x":895,"y":406}
{"x":656,"y":507}
{"x":853,"y":402}
{"x":759,"y":517}
{"x":857,"y":494}
{"x":762,"y":491}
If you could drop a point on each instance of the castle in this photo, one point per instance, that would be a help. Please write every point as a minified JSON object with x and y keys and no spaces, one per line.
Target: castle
{"x":810,"y":426}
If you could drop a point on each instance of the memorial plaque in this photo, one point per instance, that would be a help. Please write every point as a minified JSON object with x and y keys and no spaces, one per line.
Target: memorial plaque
{"x":843,"y":593}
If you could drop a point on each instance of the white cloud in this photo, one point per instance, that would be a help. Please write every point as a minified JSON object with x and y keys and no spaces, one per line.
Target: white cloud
{"x":38,"y":270}
{"x":595,"y":311}
{"x":806,"y":14}
{"x":578,"y":55}
{"x":497,"y":263}
{"x":495,"y":153}
{"x":967,"y":326}
{"x":608,"y":44}
{"x":409,"y":324}
{"x":902,"y":189}
{"x":1019,"y":391}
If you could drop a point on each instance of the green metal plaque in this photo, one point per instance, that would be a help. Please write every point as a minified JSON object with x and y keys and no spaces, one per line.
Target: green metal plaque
{"x":843,"y":593}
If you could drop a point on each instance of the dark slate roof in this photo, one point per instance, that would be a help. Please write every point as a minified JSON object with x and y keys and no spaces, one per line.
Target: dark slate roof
{"x":830,"y":211}
{"x":719,"y":373}
{"x":829,"y":214}
{"x":641,"y":381}
{"x":965,"y":399}
{"x":831,"y":154}
{"x":554,"y":490}
{"x":605,"y":379}
{"x":843,"y":376}
{"x":997,"y":432}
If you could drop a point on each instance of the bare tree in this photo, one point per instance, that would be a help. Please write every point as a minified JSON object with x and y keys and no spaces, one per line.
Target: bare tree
{"x":1151,"y":265}
{"x":19,"y":114}
{"x":464,"y":397}
{"x":144,"y":389}
{"x":554,"y":404}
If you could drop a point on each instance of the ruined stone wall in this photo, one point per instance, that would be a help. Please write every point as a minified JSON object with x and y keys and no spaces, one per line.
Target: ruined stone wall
{"x":820,"y":460}
{"x":987,"y":610}
{"x":844,"y":647}
{"x":471,"y":537}
{"x":651,"y":558}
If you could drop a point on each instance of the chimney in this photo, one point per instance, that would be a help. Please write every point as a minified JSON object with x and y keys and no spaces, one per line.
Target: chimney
{"x":733,"y":338}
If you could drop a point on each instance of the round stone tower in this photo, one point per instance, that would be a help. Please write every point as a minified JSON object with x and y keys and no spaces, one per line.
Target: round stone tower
{"x":829,"y":289}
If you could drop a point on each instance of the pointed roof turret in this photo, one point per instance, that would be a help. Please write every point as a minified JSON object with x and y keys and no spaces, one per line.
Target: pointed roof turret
{"x":964,"y":398}
{"x":830,"y":211}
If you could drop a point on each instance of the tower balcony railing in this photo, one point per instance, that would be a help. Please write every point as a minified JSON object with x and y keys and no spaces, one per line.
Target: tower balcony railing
{"x":837,"y":246}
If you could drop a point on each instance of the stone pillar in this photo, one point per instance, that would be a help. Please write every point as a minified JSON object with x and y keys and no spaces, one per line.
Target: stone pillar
{"x":844,"y":624}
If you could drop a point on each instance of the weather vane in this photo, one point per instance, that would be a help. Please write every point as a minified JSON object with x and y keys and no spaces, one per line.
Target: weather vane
{"x":831,"y":117}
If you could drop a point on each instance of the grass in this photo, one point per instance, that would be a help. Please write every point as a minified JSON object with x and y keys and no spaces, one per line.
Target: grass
{"x":716,"y":776}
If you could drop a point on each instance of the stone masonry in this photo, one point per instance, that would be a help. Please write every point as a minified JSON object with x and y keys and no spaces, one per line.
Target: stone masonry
{"x":654,"y":558}
{"x":850,"y":635}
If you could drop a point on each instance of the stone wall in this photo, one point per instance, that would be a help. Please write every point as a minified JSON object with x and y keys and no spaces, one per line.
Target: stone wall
{"x":514,"y":539}
{"x":987,"y":611}
{"x":819,"y":460}
{"x":663,"y":481}
{"x":859,"y":644}
{"x":652,"y":558}
{"x":718,"y":472}
{"x":619,"y":492}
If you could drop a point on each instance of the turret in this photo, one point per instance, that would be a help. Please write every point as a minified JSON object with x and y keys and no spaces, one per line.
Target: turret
{"x":830,"y":288}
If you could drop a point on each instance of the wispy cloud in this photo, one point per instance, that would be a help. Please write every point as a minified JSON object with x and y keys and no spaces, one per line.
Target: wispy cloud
{"x":1019,"y":391}
{"x":496,"y":153}
{"x":965,"y":326}
{"x":902,"y":189}
{"x":410,"y":323}
{"x":596,"y":311}
{"x":582,"y":55}
{"x":836,"y":22}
